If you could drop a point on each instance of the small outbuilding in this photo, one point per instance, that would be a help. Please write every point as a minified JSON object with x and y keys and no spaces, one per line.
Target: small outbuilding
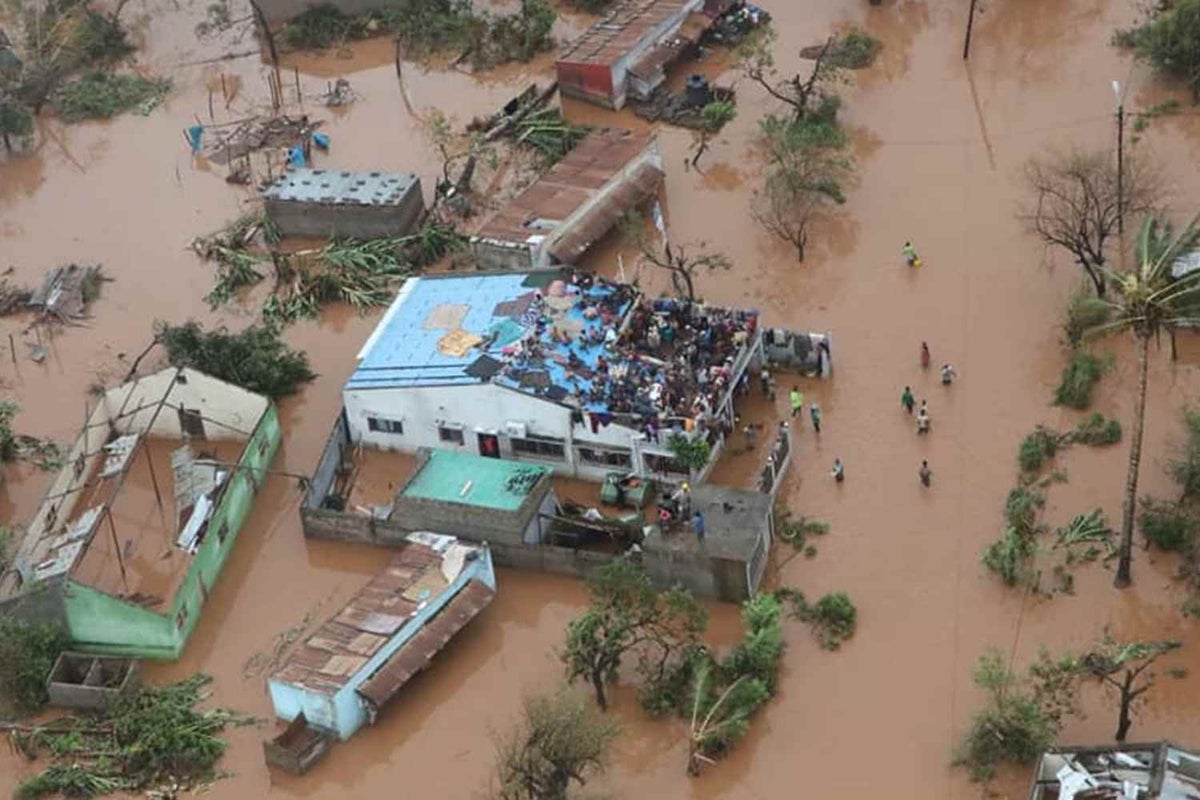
{"x":342,"y":675}
{"x":359,"y":205}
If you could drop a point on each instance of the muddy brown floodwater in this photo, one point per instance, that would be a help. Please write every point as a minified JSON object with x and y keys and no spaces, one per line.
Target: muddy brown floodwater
{"x":939,"y":146}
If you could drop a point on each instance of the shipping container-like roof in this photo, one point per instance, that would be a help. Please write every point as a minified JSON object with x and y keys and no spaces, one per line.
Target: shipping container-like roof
{"x":453,"y":477}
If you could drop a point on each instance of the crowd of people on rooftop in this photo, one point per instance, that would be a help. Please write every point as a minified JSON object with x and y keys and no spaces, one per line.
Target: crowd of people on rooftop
{"x":667,"y":361}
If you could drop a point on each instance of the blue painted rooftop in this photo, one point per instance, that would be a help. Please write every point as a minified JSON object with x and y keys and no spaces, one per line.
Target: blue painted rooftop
{"x":533,"y":333}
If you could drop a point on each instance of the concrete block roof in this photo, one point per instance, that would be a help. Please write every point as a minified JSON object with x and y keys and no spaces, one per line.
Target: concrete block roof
{"x":341,"y":188}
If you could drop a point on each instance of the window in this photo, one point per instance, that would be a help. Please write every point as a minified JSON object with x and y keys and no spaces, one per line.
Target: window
{"x":181,"y":617}
{"x":610,"y":457}
{"x":191,"y":422}
{"x":452,"y":434}
{"x":222,"y":532}
{"x":381,"y":425}
{"x":263,"y":444}
{"x":539,"y":447}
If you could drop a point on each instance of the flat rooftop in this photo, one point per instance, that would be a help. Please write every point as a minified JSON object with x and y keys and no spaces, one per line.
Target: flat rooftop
{"x":573,"y":182}
{"x":341,"y":187}
{"x":628,"y":23}
{"x":334,"y":653}
{"x":1154,"y":771}
{"x":733,"y":521}
{"x":544,"y":334}
{"x":454,"y":477}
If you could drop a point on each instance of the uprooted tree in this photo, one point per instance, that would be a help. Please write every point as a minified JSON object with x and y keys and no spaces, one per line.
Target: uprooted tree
{"x":1125,"y":668}
{"x":559,"y":742}
{"x":682,"y":261}
{"x":627,"y":616}
{"x":1073,"y":204}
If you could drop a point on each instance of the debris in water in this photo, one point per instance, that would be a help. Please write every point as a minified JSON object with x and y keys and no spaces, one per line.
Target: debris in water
{"x":66,"y":291}
{"x":339,"y":93}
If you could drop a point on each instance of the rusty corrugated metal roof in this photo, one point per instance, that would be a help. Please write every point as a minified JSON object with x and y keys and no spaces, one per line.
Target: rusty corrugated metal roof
{"x":345,"y":642}
{"x":628,"y":24}
{"x":418,"y":651}
{"x":599,"y":220}
{"x":568,"y":185}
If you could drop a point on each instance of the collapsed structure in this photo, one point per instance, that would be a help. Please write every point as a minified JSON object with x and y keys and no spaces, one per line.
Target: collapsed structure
{"x":330,"y":203}
{"x":571,"y":206}
{"x":1155,"y":771}
{"x":340,"y":677}
{"x":574,"y":372}
{"x":132,"y":535}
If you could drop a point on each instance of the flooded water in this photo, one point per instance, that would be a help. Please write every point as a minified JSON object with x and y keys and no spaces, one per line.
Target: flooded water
{"x":939,"y":146}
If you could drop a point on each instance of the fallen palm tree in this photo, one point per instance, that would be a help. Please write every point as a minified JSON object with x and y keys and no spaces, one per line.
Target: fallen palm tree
{"x":155,"y":738}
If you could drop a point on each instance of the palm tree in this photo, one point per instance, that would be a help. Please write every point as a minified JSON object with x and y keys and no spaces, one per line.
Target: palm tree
{"x":1148,"y":301}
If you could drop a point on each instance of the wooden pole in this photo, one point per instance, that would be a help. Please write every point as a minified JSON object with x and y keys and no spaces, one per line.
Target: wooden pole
{"x":112,"y":528}
{"x":1121,"y":170}
{"x":299,"y":96}
{"x":970,"y":23}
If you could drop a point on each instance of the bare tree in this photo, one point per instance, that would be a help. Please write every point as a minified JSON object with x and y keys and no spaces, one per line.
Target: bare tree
{"x":757,"y":62}
{"x":680,"y":260}
{"x":1074,"y":203}
{"x":560,"y":740}
{"x":1125,"y":668}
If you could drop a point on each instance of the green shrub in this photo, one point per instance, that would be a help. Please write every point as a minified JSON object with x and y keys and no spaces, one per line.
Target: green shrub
{"x":1168,"y":526}
{"x":1079,"y":378}
{"x":1022,"y":717}
{"x":1085,"y":311}
{"x":757,"y":655}
{"x":854,"y":49}
{"x":834,"y":619}
{"x":255,"y":359}
{"x":1010,"y":557}
{"x":101,"y":95}
{"x":320,"y":27}
{"x":27,"y":652}
{"x":1185,"y":469}
{"x":1170,"y":41}
{"x":690,"y":452}
{"x":1021,"y":509}
{"x":1037,"y":448}
{"x":1097,"y":431}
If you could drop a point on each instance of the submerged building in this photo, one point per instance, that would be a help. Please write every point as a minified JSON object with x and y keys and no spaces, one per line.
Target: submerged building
{"x":340,"y":677}
{"x":573,"y":204}
{"x":331,"y":203}
{"x":581,"y":375}
{"x":131,"y":537}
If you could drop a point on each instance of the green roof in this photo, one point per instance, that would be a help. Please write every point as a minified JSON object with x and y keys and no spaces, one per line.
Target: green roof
{"x":474,"y":480}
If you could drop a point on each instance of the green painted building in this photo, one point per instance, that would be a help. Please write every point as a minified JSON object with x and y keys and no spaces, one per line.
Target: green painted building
{"x":131,"y":537}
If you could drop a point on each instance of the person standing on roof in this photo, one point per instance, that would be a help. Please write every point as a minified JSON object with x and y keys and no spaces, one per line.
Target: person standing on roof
{"x":910,"y":254}
{"x":698,"y":527}
{"x":796,"y":398}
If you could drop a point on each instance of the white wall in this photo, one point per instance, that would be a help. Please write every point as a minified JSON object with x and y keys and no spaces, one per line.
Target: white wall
{"x":481,"y":407}
{"x":230,"y":412}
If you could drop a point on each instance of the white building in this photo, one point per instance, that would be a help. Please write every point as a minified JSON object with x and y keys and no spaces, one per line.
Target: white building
{"x":517,"y":366}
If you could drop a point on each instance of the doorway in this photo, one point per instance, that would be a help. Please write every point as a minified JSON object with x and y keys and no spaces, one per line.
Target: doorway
{"x":489,"y":445}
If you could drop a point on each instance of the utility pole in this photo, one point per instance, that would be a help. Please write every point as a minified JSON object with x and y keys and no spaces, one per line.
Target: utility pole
{"x":1120,"y":159}
{"x":970,"y":23}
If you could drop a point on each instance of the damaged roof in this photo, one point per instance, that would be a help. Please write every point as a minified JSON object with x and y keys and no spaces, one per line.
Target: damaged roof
{"x":628,"y":24}
{"x":344,"y":645}
{"x":454,"y":477}
{"x":572,"y":183}
{"x":1155,"y":771}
